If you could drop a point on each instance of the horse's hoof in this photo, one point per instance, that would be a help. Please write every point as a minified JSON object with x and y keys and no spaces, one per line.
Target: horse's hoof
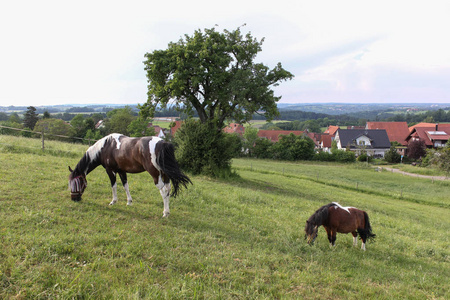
{"x":166,"y":214}
{"x":112,"y":202}
{"x":129,"y":203}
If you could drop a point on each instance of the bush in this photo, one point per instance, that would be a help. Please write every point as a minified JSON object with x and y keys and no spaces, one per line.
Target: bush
{"x":324,"y":156}
{"x":416,"y":149}
{"x":262,"y":148}
{"x":344,"y":156}
{"x":392,"y":156}
{"x":364,"y":158}
{"x":292,"y":147}
{"x":202,"y":149}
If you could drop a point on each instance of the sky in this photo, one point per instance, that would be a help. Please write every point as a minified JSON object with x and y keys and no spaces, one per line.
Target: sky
{"x":92,"y":52}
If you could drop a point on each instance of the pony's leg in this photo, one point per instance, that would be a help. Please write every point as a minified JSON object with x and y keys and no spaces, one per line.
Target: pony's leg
{"x":363,"y":236}
{"x":112,"y":178}
{"x":333,"y":238}
{"x":330,"y":235}
{"x":355,"y":240}
{"x":123,"y":178}
{"x":363,"y":245}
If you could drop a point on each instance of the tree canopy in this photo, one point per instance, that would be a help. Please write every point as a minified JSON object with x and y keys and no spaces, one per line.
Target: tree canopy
{"x":214,"y":74}
{"x":30,"y":117}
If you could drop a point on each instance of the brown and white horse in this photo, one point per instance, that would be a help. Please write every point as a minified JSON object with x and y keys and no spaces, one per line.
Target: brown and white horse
{"x":120,"y":154}
{"x":335,"y":218}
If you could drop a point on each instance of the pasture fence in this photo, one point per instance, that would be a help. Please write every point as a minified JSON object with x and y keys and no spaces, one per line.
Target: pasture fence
{"x":43,"y":135}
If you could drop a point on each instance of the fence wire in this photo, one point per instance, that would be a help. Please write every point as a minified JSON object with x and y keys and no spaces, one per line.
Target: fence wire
{"x":42,"y":136}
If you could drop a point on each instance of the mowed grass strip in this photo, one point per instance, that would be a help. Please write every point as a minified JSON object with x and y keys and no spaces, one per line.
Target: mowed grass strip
{"x":225,"y":239}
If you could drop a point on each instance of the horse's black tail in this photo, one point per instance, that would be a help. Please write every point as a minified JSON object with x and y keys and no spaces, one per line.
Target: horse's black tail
{"x":169,"y":166}
{"x":366,"y":233}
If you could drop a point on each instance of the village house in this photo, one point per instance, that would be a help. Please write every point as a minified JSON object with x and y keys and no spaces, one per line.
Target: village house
{"x":396,"y":131}
{"x":374,"y":142}
{"x":159,"y":131}
{"x":326,"y":141}
{"x":435,"y":136}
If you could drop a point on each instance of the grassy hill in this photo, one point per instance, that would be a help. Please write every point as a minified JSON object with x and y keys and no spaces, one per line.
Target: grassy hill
{"x":236,"y":239}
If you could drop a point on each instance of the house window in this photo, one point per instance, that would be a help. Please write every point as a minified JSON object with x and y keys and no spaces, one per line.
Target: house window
{"x":362,"y":143}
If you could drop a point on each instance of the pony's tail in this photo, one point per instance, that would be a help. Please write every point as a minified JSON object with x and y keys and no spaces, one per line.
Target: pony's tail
{"x":366,"y":233}
{"x":169,"y":166}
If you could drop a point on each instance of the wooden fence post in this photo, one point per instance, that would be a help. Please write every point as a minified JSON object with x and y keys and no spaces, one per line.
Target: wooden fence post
{"x":43,"y":146}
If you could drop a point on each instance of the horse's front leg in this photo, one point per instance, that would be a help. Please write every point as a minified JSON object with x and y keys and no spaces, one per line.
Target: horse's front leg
{"x":112,"y":178}
{"x":123,"y":178}
{"x":329,"y":235}
{"x":164,"y":189}
{"x":355,"y":240}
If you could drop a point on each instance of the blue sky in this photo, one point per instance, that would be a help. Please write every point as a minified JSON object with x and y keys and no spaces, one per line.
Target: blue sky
{"x":61,"y":52}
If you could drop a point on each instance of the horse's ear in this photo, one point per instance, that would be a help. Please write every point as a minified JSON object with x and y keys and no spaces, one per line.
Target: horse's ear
{"x":70,"y":169}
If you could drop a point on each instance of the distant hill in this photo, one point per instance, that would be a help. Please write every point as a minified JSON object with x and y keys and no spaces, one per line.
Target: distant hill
{"x":352,"y":108}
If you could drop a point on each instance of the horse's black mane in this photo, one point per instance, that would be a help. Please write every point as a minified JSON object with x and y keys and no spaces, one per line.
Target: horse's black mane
{"x":87,"y":163}
{"x":320,"y":215}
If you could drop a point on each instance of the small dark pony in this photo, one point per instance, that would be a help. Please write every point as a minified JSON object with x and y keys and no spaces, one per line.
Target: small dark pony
{"x":335,"y":218}
{"x":120,"y":154}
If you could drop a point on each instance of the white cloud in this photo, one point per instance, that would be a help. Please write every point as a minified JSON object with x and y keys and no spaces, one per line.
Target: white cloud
{"x":92,"y":51}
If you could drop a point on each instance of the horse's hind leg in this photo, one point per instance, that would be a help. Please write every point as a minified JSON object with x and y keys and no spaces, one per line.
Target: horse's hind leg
{"x":162,"y":182}
{"x":123,"y":177}
{"x":363,"y":236}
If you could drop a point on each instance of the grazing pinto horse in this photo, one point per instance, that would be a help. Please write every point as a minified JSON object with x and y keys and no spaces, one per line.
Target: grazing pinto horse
{"x":335,"y":218}
{"x":120,"y":154}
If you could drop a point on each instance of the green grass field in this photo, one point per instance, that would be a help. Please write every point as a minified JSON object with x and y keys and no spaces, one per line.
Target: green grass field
{"x":225,"y":239}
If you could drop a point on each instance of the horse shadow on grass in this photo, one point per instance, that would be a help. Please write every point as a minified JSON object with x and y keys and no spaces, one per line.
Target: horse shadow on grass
{"x":274,"y":189}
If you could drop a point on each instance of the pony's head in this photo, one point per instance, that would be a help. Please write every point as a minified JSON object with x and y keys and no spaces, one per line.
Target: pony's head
{"x":311,"y":230}
{"x":315,"y":221}
{"x":77,"y":185}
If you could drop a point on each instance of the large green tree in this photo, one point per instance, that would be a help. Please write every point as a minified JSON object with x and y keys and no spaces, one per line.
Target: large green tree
{"x":214,"y":74}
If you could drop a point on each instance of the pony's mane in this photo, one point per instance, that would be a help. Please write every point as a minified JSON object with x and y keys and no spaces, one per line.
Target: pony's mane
{"x":320,"y":215}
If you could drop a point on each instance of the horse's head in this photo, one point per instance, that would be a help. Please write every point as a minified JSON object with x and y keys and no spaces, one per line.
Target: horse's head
{"x":311,"y":230}
{"x":77,"y":185}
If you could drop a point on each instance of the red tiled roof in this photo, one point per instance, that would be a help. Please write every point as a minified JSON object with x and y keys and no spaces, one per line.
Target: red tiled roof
{"x":396,"y":131}
{"x":326,"y":140}
{"x":273,"y":135}
{"x":331,"y":129}
{"x":422,"y":125}
{"x":177,"y":126}
{"x":315,"y":137}
{"x":234,"y":128}
{"x":428,"y":134}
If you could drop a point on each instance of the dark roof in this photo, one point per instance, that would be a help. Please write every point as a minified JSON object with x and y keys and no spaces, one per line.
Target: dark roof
{"x":379,"y":138}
